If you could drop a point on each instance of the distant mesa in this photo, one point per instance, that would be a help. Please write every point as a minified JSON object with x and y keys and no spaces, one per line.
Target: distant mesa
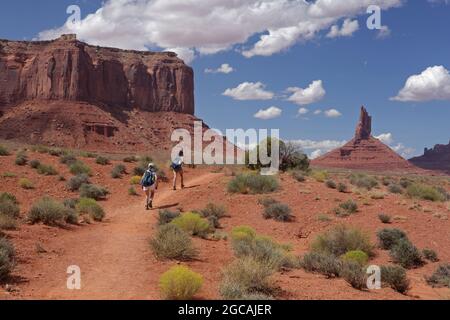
{"x":437,"y":158}
{"x":364,"y":152}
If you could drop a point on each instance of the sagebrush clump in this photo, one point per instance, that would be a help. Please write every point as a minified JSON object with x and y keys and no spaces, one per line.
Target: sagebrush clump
{"x":180,"y":283}
{"x":213,"y":213}
{"x":363,"y":181}
{"x":50,"y":212}
{"x":171,"y":242}
{"x":253,"y":184}
{"x":193,"y":224}
{"x":441,"y":277}
{"x":7,"y":258}
{"x":75,"y":183}
{"x":90,"y":207}
{"x":279,"y":212}
{"x":395,"y":277}
{"x":93,"y":191}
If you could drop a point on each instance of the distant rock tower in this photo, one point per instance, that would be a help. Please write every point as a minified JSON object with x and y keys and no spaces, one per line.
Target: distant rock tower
{"x":364,"y":128}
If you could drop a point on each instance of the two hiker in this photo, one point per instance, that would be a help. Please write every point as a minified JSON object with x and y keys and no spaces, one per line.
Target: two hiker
{"x":149,"y":180}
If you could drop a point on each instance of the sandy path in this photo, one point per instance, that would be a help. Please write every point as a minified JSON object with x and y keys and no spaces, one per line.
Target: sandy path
{"x":115,"y":259}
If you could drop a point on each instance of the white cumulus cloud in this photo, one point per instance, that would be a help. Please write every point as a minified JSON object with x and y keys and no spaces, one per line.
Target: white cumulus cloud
{"x":332,"y":113}
{"x":384,"y":32}
{"x":315,"y":149}
{"x":386,"y":138}
{"x":313,"y":93}
{"x":348,"y":28}
{"x":269,"y":113}
{"x":211,"y":26}
{"x":303,"y":111}
{"x":249,"y":91}
{"x":224,"y":68}
{"x":432,"y":84}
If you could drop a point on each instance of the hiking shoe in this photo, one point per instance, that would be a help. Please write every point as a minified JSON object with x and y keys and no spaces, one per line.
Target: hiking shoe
{"x":151,"y":204}
{"x":174,"y":188}
{"x":146,"y":207}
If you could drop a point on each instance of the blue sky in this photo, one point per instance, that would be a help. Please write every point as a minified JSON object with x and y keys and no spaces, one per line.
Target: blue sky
{"x":357,"y":69}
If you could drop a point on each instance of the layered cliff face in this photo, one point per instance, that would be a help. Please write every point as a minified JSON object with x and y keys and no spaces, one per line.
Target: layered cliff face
{"x":364,"y":152}
{"x":69,"y":70}
{"x":437,"y":158}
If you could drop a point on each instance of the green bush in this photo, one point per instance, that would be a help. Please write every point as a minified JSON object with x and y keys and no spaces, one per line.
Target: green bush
{"x":319,"y":175}
{"x":35,"y":164}
{"x":253,"y":184}
{"x":346,"y":208}
{"x":299,"y":176}
{"x":9,"y":206}
{"x":395,"y":188}
{"x":325,"y":264}
{"x":342,"y":187}
{"x":387,"y":238}
{"x":68,"y":159}
{"x":193,"y":224}
{"x":385,"y":218}
{"x":167,"y":216}
{"x":132,"y":191}
{"x":135,"y":180}
{"x":441,"y":277}
{"x":425,"y":192}
{"x":180,"y":283}
{"x":91,"y":207}
{"x":342,"y":239}
{"x":46,"y":170}
{"x":331,"y":184}
{"x":245,"y":276}
{"x":362,"y":180}
{"x":118,"y":171}
{"x":102,"y":160}
{"x":278,"y":212}
{"x":171,"y":242}
{"x":21,"y":158}
{"x":7,"y":223}
{"x":3,"y":151}
{"x":213,"y":213}
{"x":430,"y":255}
{"x":8,"y":196}
{"x":357,"y":256}
{"x":243,"y":232}
{"x":7,"y":258}
{"x":79,"y":167}
{"x":71,"y":203}
{"x":50,"y":212}
{"x":26,"y":184}
{"x":406,"y":254}
{"x":93,"y":191}
{"x":354,"y":274}
{"x":75,"y":183}
{"x":395,"y":277}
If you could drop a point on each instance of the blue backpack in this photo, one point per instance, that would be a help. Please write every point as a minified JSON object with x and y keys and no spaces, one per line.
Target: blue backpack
{"x":149,"y":179}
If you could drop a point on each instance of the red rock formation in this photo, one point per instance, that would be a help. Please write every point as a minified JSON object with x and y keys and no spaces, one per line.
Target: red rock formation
{"x":364,"y":152}
{"x":437,"y":158}
{"x":69,"y":70}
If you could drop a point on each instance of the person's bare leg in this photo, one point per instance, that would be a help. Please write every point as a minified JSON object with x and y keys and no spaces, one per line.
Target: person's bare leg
{"x":174,"y":180}
{"x":152,"y":196}
{"x":182,"y":179}
{"x":147,"y":196}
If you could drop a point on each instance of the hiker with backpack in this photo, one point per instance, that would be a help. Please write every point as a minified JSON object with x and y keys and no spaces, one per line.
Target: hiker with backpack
{"x":177,"y":167}
{"x":149,"y":183}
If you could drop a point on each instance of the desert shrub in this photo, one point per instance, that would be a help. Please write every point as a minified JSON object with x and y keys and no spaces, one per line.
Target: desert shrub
{"x":8,"y":196}
{"x":132,"y":191}
{"x":387,"y":238}
{"x":406,"y":254}
{"x":75,"y":183}
{"x":354,"y":274}
{"x":395,"y":277}
{"x":85,"y":154}
{"x":441,"y":277}
{"x":325,"y":264}
{"x":362,"y":180}
{"x":9,"y":206}
{"x":26,"y":184}
{"x":40,"y":149}
{"x":341,"y":240}
{"x":49,"y":212}
{"x":386,"y":181}
{"x":9,"y":175}
{"x":7,"y":258}
{"x":193,"y":224}
{"x":3,"y":151}
{"x":243,"y":232}
{"x":21,"y":158}
{"x":319,"y":175}
{"x":245,"y":276}
{"x":71,"y":203}
{"x":118,"y":171}
{"x":93,"y":191}
{"x":342,"y":187}
{"x":430,"y":255}
{"x":7,"y":223}
{"x":324,"y":218}
{"x":135,"y":180}
{"x":395,"y":188}
{"x":346,"y":208}
{"x":55,"y":152}
{"x":267,"y":201}
{"x":331,"y":184}
{"x":79,"y":167}
{"x":46,"y":170}
{"x":167,"y":216}
{"x":213,"y":213}
{"x":102,"y":160}
{"x":278,"y":212}
{"x":425,"y":192}
{"x":385,"y":218}
{"x":170,"y":242}
{"x":377,"y":195}
{"x":299,"y":176}
{"x":35,"y":164}
{"x":90,"y":207}
{"x":253,"y":184}
{"x":140,"y":169}
{"x":405,"y":182}
{"x":180,"y":283}
{"x":357,"y":256}
{"x":68,"y":159}
{"x":130,"y":159}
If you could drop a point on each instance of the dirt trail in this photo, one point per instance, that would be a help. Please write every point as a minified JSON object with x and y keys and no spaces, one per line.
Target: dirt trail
{"x":114,"y":257}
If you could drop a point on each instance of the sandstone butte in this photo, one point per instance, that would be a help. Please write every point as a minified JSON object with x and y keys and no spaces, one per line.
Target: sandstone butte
{"x":364,"y":152}
{"x":70,"y":94}
{"x":437,"y":158}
